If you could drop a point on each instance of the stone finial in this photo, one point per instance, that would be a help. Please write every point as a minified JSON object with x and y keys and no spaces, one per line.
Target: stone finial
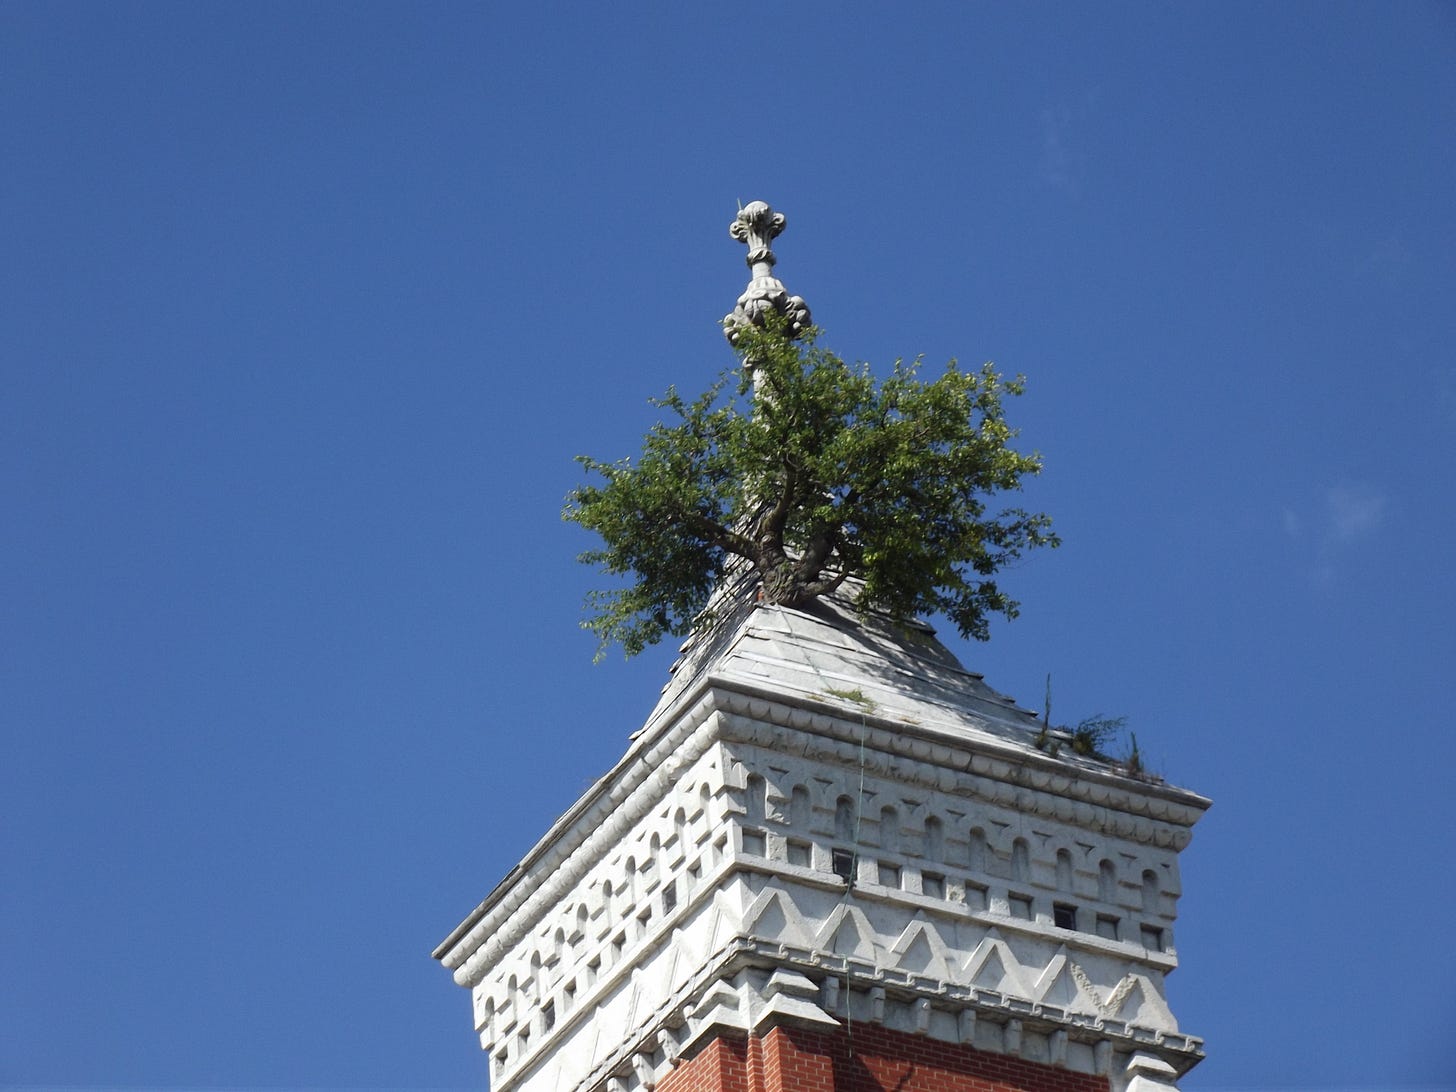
{"x":758,"y":226}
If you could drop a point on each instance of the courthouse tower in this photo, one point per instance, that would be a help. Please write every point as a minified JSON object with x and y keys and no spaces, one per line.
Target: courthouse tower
{"x":835,"y":859}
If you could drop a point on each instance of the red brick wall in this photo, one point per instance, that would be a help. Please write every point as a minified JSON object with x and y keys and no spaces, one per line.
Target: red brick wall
{"x":721,"y":1066}
{"x":872,"y":1059}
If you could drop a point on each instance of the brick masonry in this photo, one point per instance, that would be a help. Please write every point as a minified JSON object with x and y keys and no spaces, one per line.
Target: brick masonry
{"x":863,"y":1058}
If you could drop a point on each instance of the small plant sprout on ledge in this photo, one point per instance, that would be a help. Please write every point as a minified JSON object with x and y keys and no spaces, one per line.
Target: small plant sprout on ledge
{"x":1090,"y":737}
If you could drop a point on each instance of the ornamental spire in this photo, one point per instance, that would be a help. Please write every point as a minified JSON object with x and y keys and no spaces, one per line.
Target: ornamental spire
{"x":758,"y":226}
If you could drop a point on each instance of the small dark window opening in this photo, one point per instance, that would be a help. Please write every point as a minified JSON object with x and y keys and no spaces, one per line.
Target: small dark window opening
{"x":548,"y":1016}
{"x":844,"y":865}
{"x":1064,"y":915}
{"x":669,"y":898}
{"x":1152,"y":938}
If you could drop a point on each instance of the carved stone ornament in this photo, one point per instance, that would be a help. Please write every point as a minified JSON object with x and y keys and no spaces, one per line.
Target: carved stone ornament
{"x":758,"y":226}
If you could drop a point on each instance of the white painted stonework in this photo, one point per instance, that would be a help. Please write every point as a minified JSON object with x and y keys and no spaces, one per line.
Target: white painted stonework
{"x":694,"y":887}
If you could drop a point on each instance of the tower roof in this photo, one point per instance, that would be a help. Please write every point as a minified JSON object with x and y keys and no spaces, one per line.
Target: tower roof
{"x":828,"y":651}
{"x":844,"y":661}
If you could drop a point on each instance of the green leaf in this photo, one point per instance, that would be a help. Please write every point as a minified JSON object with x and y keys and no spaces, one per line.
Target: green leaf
{"x":812,"y":472}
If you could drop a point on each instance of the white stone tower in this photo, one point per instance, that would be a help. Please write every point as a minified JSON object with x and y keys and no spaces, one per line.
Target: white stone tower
{"x":833,"y":858}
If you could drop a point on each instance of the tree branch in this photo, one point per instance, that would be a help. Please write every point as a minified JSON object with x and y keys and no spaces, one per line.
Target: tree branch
{"x":825,"y":586}
{"x":778,"y":516}
{"x":811,"y":564}
{"x":716,"y":534}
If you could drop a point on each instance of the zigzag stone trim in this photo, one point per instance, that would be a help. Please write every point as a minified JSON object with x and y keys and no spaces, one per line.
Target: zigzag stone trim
{"x":859,"y":973}
{"x":836,"y":976}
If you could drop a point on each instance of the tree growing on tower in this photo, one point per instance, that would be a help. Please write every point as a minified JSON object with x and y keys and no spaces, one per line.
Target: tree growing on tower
{"x":817,"y":475}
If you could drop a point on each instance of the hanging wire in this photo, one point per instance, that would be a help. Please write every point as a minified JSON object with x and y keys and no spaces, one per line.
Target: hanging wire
{"x":858,"y":822}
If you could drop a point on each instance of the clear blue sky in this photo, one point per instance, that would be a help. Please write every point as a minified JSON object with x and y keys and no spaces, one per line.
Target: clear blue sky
{"x":306,"y":307}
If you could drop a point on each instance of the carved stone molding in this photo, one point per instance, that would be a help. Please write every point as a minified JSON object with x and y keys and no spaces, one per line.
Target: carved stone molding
{"x":1015,"y":781}
{"x":577,"y":842}
{"x":715,"y":713}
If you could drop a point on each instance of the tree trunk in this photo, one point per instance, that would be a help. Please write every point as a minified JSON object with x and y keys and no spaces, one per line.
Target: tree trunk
{"x":781,"y":584}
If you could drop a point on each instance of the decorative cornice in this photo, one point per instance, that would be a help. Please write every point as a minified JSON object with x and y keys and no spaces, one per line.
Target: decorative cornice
{"x":719,"y":709}
{"x":860,"y":973}
{"x":1023,"y":777}
{"x":574,"y":845}
{"x":719,"y":998}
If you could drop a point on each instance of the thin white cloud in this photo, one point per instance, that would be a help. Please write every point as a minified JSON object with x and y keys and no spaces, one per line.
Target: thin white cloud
{"x":1058,"y":168}
{"x":1329,"y":527}
{"x":1353,"y":511}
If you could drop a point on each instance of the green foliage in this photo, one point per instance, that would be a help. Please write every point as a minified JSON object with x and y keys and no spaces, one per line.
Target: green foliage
{"x":1091,"y":737}
{"x":821,"y":476}
{"x":856,"y":695}
{"x":1093,"y":733}
{"x":1133,"y":763}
